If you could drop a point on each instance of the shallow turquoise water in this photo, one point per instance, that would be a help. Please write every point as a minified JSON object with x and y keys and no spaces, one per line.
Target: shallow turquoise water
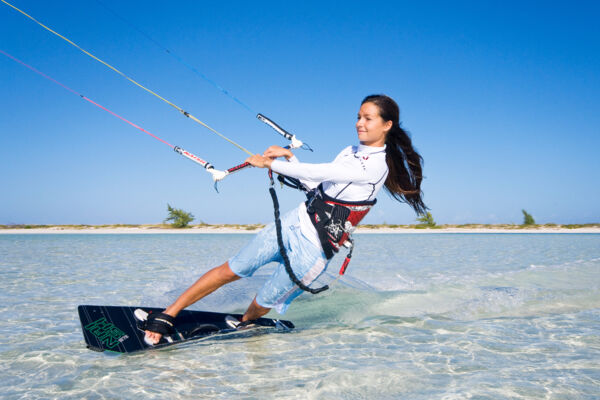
{"x":444,"y":316}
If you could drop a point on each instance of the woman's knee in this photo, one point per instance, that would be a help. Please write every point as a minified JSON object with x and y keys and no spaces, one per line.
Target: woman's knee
{"x":226,"y":274}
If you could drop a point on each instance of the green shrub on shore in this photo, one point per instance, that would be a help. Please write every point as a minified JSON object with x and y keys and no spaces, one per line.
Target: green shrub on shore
{"x":527,"y":218}
{"x":426,"y":221}
{"x":180,"y":218}
{"x":576,"y":226}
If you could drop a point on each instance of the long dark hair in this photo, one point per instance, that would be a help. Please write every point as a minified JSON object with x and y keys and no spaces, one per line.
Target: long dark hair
{"x":405,"y":165}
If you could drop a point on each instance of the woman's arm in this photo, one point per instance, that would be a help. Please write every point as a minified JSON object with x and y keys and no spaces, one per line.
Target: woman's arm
{"x":341,"y":170}
{"x":338,"y":172}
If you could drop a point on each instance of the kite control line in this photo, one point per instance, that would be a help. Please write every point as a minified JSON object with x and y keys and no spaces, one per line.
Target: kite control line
{"x":295,"y":142}
{"x":216,"y":174}
{"x":179,"y":59}
{"x":181,"y":110}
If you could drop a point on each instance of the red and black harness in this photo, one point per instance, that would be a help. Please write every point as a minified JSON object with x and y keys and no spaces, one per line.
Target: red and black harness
{"x":334,"y":220}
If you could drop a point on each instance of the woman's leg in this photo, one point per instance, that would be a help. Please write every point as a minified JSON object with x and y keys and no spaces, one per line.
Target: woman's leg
{"x":208,"y":283}
{"x":261,"y":250}
{"x":254,"y":311}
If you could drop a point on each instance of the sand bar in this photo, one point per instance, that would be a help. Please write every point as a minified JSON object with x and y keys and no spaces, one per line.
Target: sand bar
{"x":253,"y":229}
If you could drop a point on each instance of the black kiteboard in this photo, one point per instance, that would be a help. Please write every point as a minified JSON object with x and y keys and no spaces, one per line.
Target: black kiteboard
{"x":116,"y":329}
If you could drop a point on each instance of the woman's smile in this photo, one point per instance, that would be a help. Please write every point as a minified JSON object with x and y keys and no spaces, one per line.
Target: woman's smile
{"x":370,"y":127}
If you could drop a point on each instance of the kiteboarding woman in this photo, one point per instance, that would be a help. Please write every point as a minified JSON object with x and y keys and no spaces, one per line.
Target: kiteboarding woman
{"x":340,"y":193}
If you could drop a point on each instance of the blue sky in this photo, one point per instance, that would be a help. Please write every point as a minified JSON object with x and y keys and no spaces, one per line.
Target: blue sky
{"x":502,"y":101}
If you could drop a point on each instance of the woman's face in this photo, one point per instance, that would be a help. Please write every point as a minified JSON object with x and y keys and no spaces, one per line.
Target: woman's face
{"x":371,"y":128}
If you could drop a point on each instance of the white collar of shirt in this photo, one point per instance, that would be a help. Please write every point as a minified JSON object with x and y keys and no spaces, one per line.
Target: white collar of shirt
{"x":361,"y":148}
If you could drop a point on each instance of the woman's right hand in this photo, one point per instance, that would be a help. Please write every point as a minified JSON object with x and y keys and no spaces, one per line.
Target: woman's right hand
{"x":278,"y":151}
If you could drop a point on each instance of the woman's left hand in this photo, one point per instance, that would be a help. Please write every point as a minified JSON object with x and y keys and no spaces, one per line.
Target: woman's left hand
{"x":259,"y":161}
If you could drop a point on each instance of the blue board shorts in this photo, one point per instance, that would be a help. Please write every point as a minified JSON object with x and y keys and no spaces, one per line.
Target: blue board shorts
{"x":306,"y":259}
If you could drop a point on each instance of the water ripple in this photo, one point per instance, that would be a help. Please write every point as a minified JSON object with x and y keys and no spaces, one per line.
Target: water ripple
{"x":419,"y":317}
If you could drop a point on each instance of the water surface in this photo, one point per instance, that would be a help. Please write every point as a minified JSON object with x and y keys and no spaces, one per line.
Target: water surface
{"x":448,"y":316}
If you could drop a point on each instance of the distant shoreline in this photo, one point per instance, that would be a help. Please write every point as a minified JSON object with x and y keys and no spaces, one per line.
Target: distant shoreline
{"x":229,"y":228}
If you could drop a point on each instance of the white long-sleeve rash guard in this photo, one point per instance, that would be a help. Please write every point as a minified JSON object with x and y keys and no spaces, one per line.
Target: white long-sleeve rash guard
{"x":356,"y":174}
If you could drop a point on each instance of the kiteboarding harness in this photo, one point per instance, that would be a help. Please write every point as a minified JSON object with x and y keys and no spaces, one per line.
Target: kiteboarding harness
{"x":334,"y":218}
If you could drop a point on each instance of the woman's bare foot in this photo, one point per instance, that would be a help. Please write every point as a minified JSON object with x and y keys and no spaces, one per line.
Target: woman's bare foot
{"x":208,"y":283}
{"x":153,"y":337}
